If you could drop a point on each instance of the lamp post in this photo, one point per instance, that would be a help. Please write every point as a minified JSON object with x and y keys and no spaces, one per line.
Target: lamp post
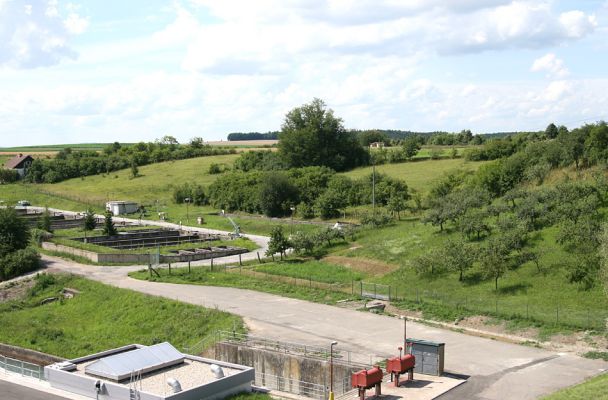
{"x":331,"y":369}
{"x":187,"y":200}
{"x":293,"y":209}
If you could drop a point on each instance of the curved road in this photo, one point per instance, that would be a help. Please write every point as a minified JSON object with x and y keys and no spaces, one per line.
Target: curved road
{"x":497,"y":370}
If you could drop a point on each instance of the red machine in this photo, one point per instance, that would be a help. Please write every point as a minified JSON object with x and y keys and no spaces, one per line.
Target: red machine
{"x":400,"y":365}
{"x":366,"y":379}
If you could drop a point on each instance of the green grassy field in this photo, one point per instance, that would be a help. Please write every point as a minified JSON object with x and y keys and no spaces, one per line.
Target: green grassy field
{"x":244,"y":280}
{"x":101,"y":317}
{"x":418,"y":175}
{"x":595,"y":388}
{"x":314,"y":270}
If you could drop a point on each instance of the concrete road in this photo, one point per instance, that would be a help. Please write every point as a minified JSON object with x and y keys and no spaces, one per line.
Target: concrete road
{"x":11,"y":391}
{"x":497,"y":370}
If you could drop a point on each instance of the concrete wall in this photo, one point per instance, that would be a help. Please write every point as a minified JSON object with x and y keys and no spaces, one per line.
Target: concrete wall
{"x":138,"y":258}
{"x":289,"y":366}
{"x":70,"y":250}
{"x":27,"y":355}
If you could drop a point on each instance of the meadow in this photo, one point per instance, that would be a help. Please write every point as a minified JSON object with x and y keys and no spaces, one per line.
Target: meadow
{"x":594,"y":388}
{"x":418,"y":174}
{"x":313,"y":270}
{"x":102,"y":317}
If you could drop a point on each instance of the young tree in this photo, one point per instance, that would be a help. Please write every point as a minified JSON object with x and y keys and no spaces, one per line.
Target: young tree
{"x":108,"y":227}
{"x":278,"y":242}
{"x":458,"y":256}
{"x":396,"y":204}
{"x":89,"y":220}
{"x":495,"y":259}
{"x":134,"y":169}
{"x":45,"y":221}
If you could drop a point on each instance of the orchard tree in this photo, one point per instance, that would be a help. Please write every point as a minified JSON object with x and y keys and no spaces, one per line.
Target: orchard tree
{"x":411,"y":146}
{"x":458,"y":256}
{"x":312,"y":135}
{"x":495,"y":259}
{"x":278,"y":242}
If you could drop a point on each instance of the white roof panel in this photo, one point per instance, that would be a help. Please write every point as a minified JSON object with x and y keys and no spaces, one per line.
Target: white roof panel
{"x":146,"y":359}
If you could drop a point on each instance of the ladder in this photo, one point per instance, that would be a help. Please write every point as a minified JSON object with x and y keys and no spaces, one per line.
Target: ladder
{"x":134,"y":379}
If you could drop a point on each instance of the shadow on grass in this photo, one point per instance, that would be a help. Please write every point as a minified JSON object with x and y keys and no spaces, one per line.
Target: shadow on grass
{"x":517,"y":288}
{"x":472,"y":279}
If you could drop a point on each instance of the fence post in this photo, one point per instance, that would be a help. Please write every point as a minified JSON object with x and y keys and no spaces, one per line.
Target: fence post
{"x":188,"y":266}
{"x":240,"y":261}
{"x":375,"y":291}
{"x":417,"y":297}
{"x":169,"y":268}
{"x":361,"y":282}
{"x":389,"y":292}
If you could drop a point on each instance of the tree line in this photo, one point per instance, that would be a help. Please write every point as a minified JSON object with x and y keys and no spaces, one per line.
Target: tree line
{"x":72,"y":164}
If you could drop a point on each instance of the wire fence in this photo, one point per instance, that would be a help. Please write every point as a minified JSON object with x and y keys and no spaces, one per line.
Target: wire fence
{"x":21,"y":367}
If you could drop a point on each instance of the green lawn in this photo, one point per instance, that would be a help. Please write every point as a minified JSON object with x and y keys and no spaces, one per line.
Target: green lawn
{"x":418,"y":175}
{"x":595,"y":388}
{"x":243,"y":280}
{"x":101,"y":317}
{"x":314,"y":270}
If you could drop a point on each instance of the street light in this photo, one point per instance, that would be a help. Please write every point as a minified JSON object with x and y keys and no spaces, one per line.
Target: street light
{"x":293,"y":209}
{"x":187,"y":200}
{"x":331,"y":369}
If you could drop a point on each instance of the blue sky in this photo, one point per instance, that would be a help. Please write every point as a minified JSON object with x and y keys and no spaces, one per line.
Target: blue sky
{"x":88,"y":71}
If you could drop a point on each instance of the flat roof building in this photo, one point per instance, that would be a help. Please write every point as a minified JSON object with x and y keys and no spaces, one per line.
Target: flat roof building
{"x":158,"y":372}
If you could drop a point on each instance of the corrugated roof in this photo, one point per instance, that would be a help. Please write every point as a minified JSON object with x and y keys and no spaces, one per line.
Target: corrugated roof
{"x":120,"y":366}
{"x":15,"y":161}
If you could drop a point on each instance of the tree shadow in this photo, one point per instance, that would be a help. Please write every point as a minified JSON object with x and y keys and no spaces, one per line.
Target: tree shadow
{"x":472,"y":279}
{"x":517,"y":288}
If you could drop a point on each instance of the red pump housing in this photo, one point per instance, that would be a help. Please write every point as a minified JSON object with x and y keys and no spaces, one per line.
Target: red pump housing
{"x":366,"y":379}
{"x":400,"y":365}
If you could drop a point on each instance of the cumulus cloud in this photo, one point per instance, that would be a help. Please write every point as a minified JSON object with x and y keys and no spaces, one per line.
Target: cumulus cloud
{"x":549,"y":63}
{"x":36,"y":34}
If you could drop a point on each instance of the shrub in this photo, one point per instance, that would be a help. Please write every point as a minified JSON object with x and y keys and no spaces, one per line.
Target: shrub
{"x":18,"y":263}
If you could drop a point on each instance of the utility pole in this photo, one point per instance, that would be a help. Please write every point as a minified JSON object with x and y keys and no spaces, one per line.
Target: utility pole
{"x":374,"y":189}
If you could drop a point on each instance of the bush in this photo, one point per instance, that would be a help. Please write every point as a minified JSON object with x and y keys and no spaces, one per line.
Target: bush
{"x":380,"y":218}
{"x":196,"y":194}
{"x":18,"y":263}
{"x":8,"y":176}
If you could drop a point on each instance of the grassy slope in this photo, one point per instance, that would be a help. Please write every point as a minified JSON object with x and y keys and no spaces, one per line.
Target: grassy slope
{"x":595,"y":388}
{"x":315,"y":270}
{"x":418,"y":174}
{"x":103,"y":317}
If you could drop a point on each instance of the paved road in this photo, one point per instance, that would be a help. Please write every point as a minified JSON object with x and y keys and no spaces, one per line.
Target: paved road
{"x":11,"y":391}
{"x":497,"y":370}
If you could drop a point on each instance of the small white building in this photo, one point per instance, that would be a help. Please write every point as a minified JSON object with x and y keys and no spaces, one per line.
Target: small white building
{"x":122,"y":207}
{"x":158,"y":372}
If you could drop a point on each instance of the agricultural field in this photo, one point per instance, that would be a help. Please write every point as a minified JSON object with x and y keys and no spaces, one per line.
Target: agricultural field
{"x":55,"y":147}
{"x":75,"y":327}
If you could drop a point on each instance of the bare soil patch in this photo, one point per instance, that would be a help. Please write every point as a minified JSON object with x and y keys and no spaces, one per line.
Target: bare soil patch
{"x":16,"y":290}
{"x":371,"y":267}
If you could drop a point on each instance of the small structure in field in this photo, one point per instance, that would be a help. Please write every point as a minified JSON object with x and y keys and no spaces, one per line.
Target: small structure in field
{"x":122,"y":207}
{"x":376,"y":145}
{"x":20,"y":163}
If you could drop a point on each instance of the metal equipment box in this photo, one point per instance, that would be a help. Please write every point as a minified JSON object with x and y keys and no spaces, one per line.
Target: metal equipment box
{"x":429,"y":356}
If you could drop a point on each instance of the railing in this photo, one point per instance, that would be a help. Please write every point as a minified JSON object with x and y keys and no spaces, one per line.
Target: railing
{"x":340,"y":356}
{"x":21,"y":367}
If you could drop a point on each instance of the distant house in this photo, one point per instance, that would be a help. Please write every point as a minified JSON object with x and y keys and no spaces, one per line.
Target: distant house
{"x":376,"y":145}
{"x":20,"y":163}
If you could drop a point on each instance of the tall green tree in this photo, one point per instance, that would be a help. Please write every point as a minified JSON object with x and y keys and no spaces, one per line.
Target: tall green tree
{"x":551,"y":131}
{"x":495,"y":259}
{"x":14,"y":232}
{"x":45,"y":221}
{"x":312,"y":135}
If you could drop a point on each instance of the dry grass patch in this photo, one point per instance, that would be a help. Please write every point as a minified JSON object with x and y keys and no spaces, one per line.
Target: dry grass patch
{"x":365,"y":265}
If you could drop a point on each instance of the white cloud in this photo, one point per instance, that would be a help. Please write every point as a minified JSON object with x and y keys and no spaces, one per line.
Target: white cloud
{"x":34,"y":35}
{"x":549,"y":63}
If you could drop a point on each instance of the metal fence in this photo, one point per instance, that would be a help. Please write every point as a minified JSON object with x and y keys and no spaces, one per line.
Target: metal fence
{"x":340,"y":356}
{"x":21,"y":367}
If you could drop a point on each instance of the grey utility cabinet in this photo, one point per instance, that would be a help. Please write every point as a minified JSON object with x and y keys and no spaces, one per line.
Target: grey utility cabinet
{"x":429,"y":356}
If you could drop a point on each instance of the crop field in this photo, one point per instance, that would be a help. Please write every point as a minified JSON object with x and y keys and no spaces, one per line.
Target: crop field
{"x":55,"y":147}
{"x":418,"y":174}
{"x":101,"y":317}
